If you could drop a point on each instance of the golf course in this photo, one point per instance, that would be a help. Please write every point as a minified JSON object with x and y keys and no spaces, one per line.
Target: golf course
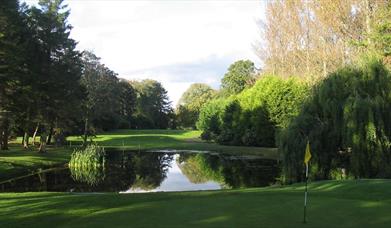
{"x":349,"y":203}
{"x":215,"y":114}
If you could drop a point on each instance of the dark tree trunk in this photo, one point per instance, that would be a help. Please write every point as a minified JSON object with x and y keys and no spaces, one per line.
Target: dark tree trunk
{"x":23,"y":139}
{"x":85,"y":132}
{"x":4,"y":135}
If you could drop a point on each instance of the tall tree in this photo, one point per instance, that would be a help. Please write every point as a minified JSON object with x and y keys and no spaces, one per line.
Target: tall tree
{"x":58,"y":69}
{"x":191,"y":103}
{"x":240,"y":75}
{"x":127,"y":103}
{"x":153,"y":108}
{"x":102,"y":105}
{"x":346,"y":116}
{"x":13,"y":39}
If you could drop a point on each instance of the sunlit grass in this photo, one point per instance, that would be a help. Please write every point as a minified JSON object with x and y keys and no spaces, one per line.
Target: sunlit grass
{"x":357,"y":203}
{"x":168,"y":139}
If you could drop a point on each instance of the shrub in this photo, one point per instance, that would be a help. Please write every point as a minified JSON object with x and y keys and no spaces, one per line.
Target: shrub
{"x":252,"y":117}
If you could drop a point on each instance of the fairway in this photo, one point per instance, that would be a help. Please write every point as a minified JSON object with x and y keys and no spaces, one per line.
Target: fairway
{"x":168,"y":139}
{"x":358,"y":203}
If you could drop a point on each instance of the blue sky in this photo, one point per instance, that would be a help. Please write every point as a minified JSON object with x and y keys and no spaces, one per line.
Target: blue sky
{"x":175,"y":42}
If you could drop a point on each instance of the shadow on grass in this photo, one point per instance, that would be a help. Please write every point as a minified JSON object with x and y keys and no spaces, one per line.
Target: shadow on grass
{"x":239,"y":208}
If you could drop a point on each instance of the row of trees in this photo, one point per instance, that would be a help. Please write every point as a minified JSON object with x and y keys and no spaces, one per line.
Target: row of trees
{"x":49,"y":88}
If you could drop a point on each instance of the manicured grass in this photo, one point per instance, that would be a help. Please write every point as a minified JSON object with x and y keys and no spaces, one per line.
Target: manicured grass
{"x":18,"y":161}
{"x":169,"y":139}
{"x":363,"y":203}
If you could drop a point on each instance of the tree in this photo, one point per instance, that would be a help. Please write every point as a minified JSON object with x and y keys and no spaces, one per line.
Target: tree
{"x":239,"y":76}
{"x":103,"y":102}
{"x":347,"y":115}
{"x":191,"y":103}
{"x":127,"y":103}
{"x":13,"y":44}
{"x":153,"y":108}
{"x":56,"y":64}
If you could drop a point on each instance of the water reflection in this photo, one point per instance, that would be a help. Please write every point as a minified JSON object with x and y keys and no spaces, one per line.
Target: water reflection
{"x":132,"y":172}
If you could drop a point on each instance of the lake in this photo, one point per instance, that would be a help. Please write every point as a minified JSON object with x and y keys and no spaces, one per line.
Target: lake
{"x":153,"y":171}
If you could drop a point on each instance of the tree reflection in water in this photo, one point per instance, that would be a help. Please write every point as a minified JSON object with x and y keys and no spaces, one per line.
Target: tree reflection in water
{"x":146,"y":171}
{"x":229,"y":171}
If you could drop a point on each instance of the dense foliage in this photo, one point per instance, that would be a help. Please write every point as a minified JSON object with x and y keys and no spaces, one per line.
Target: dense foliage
{"x":240,"y":75}
{"x":153,"y":108}
{"x":347,"y":122}
{"x":191,"y":102}
{"x":252,"y":117}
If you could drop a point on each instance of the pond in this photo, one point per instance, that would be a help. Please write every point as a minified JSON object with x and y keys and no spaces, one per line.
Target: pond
{"x":159,"y":171}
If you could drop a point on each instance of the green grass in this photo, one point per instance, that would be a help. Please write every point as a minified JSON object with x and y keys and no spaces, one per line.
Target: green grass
{"x":169,"y":139}
{"x":364,"y":203}
{"x":17,"y":160}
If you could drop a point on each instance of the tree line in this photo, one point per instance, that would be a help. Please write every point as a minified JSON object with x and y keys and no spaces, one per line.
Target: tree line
{"x":49,"y":88}
{"x":325,"y":80}
{"x":311,"y":38}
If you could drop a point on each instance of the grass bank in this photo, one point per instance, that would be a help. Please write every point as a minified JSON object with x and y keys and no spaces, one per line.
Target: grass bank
{"x":364,"y":203}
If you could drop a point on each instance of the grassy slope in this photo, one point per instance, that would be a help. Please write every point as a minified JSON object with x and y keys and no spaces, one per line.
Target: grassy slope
{"x":365,"y":203}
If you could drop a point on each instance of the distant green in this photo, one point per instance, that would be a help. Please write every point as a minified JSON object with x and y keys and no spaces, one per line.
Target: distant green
{"x":358,"y":203}
{"x":168,"y":139}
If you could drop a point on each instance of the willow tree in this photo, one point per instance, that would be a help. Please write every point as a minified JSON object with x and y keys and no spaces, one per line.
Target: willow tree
{"x":348,"y":115}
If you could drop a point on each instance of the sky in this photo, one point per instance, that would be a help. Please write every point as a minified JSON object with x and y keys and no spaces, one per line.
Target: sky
{"x":176,"y":42}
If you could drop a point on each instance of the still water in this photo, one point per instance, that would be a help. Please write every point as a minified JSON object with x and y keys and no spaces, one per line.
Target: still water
{"x":134,"y":172}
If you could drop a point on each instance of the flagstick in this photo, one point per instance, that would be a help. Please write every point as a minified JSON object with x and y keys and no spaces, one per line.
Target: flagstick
{"x":305,"y":194}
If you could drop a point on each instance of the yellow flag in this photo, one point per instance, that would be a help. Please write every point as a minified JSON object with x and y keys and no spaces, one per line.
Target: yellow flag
{"x":307,"y":155}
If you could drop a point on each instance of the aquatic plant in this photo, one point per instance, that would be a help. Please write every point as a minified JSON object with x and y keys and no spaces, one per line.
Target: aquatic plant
{"x":92,"y":175}
{"x":87,"y":164}
{"x":92,"y":155}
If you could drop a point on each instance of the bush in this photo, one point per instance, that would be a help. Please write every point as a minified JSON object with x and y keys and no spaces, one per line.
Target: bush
{"x":252,"y":117}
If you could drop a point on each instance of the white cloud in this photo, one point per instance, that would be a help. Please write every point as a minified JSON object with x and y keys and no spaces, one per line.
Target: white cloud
{"x":159,"y":39}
